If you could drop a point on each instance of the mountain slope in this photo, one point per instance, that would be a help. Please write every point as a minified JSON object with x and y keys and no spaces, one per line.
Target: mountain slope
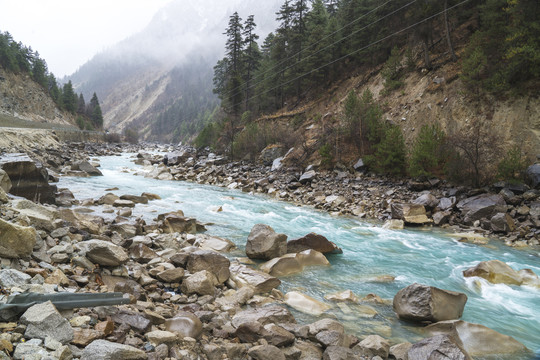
{"x":147,"y":75}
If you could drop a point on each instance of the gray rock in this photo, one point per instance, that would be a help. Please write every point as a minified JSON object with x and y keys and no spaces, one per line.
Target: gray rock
{"x":440,"y":347}
{"x":43,"y":320}
{"x":428,"y":200}
{"x":278,"y":336}
{"x":104,"y":253}
{"x":360,"y":166}
{"x":132,"y":319}
{"x":16,"y":241}
{"x":338,"y":353}
{"x":371,"y":346}
{"x":533,"y":176}
{"x":266,"y":352}
{"x":176,"y":158}
{"x":421,"y":303}
{"x":202,"y":283}
{"x":106,"y":350}
{"x":441,"y":217}
{"x":28,"y":178}
{"x":502,"y":222}
{"x":271,"y":153}
{"x":400,"y":351}
{"x":11,"y":278}
{"x":26,"y":351}
{"x":307,"y":177}
{"x":261,"y":282}
{"x":481,"y":206}
{"x":263,"y":243}
{"x":447,"y":203}
{"x":88,"y":168}
{"x":264,"y":315}
{"x":212,"y":261}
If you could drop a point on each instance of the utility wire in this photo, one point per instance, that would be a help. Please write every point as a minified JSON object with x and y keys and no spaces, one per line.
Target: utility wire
{"x":354,"y":52}
{"x":324,"y":38}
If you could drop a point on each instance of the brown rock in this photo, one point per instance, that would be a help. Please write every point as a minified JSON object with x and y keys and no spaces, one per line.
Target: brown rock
{"x":83,"y":337}
{"x":315,"y":242}
{"x":265,"y":244}
{"x":185,"y":324}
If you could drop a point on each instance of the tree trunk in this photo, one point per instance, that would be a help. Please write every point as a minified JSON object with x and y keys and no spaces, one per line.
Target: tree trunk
{"x":427,"y":60}
{"x":448,"y":37}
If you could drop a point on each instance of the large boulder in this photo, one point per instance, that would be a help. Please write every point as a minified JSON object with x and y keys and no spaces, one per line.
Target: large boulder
{"x":498,"y":272}
{"x":371,"y":346}
{"x":315,"y":242}
{"x":43,"y":320}
{"x":480,"y":206}
{"x":176,"y":223}
{"x":307,"y":177}
{"x":263,"y":243}
{"x":88,"y":168}
{"x":271,"y":153}
{"x":82,"y":221}
{"x":175,"y":158}
{"x":28,"y":178}
{"x":422,"y":303}
{"x":16,"y":241}
{"x":414,"y":214}
{"x":215,"y":263}
{"x":202,"y":283}
{"x":106,"y":350}
{"x":428,"y":200}
{"x":40,"y":216}
{"x":502,"y":222}
{"x":476,"y":339}
{"x":282,"y":266}
{"x":5,"y":182}
{"x":261,"y":282}
{"x":533,"y":176}
{"x":440,"y":347}
{"x":104,"y":253}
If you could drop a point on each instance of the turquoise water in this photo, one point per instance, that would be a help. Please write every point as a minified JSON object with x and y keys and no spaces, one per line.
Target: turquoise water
{"x":424,"y":256}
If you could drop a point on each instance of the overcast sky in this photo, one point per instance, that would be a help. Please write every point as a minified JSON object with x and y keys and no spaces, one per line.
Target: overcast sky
{"x":67,"y":33}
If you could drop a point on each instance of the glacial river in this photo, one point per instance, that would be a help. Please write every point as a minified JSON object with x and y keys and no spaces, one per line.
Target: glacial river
{"x":370,"y":254}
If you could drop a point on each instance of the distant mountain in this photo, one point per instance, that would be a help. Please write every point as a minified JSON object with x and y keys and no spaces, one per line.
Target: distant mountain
{"x":159,"y":81}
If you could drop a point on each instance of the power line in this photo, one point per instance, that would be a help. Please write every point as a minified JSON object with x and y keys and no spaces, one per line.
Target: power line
{"x":355,"y":51}
{"x":324,"y":38}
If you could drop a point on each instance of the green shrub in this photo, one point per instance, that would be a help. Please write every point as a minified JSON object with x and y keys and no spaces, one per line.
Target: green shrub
{"x":391,"y":71}
{"x":389,"y":153}
{"x":427,"y":155}
{"x":325,"y":152}
{"x":512,"y":166}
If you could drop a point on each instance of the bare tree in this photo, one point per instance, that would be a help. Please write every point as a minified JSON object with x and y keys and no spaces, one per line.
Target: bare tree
{"x":448,"y":37}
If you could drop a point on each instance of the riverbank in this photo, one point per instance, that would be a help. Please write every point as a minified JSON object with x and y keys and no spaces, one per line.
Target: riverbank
{"x":508,"y":212}
{"x":183,"y":305}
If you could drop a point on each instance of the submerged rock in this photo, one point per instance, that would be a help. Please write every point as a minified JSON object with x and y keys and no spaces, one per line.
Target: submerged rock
{"x":422,"y":303}
{"x":305,"y":303}
{"x":498,"y":272}
{"x":476,"y":339}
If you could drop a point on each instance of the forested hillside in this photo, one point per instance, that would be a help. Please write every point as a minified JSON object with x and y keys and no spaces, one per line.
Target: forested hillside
{"x":340,"y":66}
{"x":20,"y":60}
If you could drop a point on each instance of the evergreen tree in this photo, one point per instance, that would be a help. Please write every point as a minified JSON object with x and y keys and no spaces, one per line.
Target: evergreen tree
{"x":54,"y":90}
{"x":81,"y":105}
{"x":317,"y":55}
{"x":252,"y":56}
{"x":39,"y":71}
{"x":69,"y":98}
{"x":94,"y":112}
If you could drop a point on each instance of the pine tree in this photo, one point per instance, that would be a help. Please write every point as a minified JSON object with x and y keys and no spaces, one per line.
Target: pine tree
{"x":69,"y":98}
{"x":94,"y":112}
{"x":252,"y":56}
{"x":316,"y":54}
{"x":81,"y":105}
{"x":39,"y":71}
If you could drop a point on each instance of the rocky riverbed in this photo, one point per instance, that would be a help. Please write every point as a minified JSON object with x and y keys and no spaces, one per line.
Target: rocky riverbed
{"x":187,"y":300}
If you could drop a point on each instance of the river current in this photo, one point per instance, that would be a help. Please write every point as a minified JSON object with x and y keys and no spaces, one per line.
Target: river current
{"x":371,"y":255}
